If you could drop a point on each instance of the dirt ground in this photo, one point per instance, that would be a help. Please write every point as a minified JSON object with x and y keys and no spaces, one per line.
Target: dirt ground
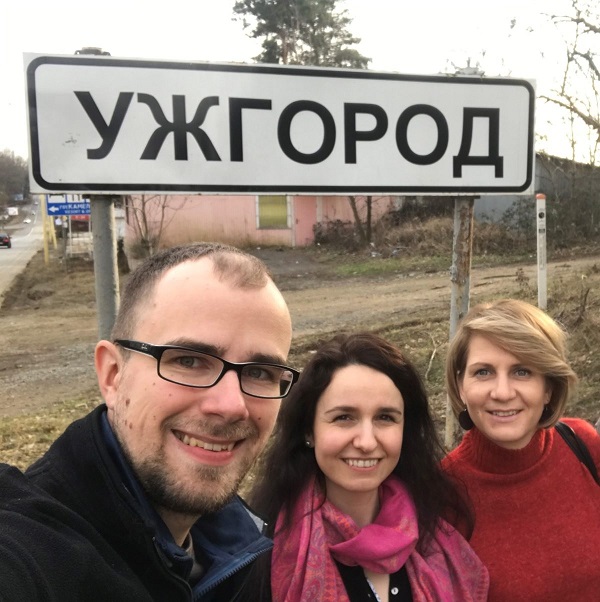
{"x":48,"y":325}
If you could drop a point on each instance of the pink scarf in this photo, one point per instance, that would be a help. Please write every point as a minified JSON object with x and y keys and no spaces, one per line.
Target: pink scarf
{"x":303,"y":569}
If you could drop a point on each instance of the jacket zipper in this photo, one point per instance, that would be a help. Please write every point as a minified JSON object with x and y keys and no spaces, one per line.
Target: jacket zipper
{"x":229,"y":574}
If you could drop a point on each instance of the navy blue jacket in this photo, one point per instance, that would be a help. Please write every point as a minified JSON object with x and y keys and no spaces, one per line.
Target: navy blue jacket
{"x":76,"y":527}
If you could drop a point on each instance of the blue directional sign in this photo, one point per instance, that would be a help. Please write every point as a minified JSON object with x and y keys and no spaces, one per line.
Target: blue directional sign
{"x":64,"y":207}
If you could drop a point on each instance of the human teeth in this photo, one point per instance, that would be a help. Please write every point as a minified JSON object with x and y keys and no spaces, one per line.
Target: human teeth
{"x":508,"y":413}
{"x":362,"y":463}
{"x":216,"y":447}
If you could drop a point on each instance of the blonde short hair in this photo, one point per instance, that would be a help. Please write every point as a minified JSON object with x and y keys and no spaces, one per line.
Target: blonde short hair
{"x":526,"y":332}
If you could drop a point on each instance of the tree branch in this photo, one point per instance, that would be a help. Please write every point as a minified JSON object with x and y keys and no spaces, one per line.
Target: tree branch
{"x":587,"y":56}
{"x":432,"y":357}
{"x":570,"y":106}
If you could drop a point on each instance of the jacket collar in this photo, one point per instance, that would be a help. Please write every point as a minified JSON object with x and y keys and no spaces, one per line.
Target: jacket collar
{"x":177,"y":556}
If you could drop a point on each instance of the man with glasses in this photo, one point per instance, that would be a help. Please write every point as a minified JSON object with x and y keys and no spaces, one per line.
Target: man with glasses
{"x":137,"y":501}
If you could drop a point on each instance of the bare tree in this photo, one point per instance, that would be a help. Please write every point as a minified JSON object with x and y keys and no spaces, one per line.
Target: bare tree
{"x":579,"y":90}
{"x":150,"y":215}
{"x":364,"y":228}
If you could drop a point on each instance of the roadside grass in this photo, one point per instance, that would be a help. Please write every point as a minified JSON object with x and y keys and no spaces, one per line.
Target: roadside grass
{"x":574,"y":301}
{"x":24,"y":438}
{"x":380,"y":266}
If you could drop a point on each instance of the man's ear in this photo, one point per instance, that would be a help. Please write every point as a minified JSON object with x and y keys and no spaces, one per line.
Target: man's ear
{"x":109,"y":368}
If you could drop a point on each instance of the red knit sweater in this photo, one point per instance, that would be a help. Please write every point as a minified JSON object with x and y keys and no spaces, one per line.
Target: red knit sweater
{"x":537,"y":515}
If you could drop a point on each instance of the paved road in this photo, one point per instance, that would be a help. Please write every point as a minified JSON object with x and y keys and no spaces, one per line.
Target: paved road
{"x":26,"y":241}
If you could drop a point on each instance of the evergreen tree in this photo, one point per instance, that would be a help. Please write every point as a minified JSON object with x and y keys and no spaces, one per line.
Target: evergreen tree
{"x":13,"y":176}
{"x":301,"y":32}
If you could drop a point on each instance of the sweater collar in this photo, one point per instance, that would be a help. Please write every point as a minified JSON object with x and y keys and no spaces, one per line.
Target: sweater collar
{"x":489,"y":457}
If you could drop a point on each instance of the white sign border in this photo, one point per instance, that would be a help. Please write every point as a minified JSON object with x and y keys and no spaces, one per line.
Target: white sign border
{"x":128,"y":188}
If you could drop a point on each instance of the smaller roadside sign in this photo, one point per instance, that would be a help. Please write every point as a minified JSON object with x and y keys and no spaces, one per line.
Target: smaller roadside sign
{"x":67,"y":205}
{"x":82,"y":208}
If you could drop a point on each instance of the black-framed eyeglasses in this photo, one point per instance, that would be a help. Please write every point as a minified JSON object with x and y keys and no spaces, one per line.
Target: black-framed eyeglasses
{"x":192,"y":368}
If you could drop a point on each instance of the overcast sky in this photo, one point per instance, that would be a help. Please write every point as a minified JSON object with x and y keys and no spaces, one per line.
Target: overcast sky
{"x":506,"y":37}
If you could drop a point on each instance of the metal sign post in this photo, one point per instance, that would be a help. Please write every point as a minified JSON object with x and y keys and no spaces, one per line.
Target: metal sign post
{"x":540,"y":210}
{"x":45,"y":228}
{"x":460,"y":277}
{"x":105,"y":262}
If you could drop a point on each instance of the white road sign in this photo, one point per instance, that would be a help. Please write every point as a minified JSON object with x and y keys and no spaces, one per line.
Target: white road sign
{"x":108,"y":125}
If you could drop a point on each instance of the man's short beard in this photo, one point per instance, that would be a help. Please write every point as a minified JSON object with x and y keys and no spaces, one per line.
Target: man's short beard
{"x":206,"y":489}
{"x":175,"y":497}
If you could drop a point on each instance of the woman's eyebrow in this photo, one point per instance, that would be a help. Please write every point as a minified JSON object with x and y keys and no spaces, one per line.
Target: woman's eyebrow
{"x":388,"y":409}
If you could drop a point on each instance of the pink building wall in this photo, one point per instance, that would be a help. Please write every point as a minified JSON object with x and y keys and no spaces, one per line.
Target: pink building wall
{"x":233,"y":219}
{"x":305,"y":216}
{"x":230,"y":219}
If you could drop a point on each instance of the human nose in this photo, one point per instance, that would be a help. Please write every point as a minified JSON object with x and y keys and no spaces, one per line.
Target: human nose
{"x":502,"y":389}
{"x":226,"y":399}
{"x":365,"y":439}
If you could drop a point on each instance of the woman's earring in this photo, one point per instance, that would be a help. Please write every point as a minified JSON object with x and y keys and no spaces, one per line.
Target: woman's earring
{"x":465,"y":421}
{"x":308,"y":443}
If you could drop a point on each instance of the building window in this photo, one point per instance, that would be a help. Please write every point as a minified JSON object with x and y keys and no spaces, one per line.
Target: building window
{"x":272,"y":211}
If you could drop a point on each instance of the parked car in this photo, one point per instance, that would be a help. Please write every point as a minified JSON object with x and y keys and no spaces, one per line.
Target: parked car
{"x":5,"y":240}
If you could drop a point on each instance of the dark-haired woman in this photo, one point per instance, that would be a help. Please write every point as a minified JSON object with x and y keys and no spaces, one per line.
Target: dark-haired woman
{"x":352,"y":490}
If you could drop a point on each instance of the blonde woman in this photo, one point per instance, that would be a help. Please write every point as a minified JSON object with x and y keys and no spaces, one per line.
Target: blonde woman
{"x":536,"y":505}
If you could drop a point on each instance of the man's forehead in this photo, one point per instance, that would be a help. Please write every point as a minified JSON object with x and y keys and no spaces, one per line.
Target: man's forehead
{"x":196,"y":270}
{"x":175,"y":284}
{"x":193,"y":300}
{"x":195,"y":286}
